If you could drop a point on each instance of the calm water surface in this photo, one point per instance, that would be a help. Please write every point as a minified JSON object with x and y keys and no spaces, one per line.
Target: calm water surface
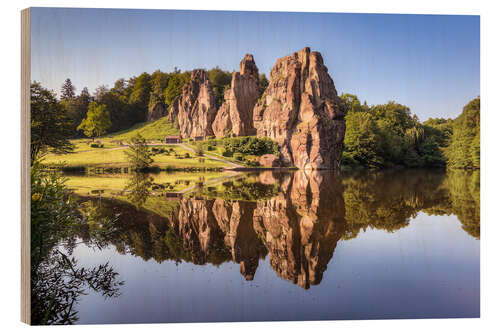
{"x":288,"y":246}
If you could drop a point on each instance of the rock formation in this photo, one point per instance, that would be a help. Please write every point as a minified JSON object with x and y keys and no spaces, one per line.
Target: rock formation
{"x":236,"y":112}
{"x":269,"y":160}
{"x":195,"y":109}
{"x":301,"y":110}
{"x":156,"y":111}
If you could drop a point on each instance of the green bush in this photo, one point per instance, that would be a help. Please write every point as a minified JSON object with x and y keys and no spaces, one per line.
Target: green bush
{"x":96,"y":145}
{"x":210,"y":148}
{"x":239,"y":156}
{"x":250,"y":145}
{"x":227,"y":153}
{"x":186,"y":155}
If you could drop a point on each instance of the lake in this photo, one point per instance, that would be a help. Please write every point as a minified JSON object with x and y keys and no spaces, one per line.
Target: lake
{"x":280,"y":246}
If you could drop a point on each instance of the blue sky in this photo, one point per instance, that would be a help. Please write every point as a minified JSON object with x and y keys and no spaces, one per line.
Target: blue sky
{"x":428,"y":62}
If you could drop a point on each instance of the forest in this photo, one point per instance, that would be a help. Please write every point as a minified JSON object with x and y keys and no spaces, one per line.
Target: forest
{"x":377,"y":136}
{"x":389,"y":135}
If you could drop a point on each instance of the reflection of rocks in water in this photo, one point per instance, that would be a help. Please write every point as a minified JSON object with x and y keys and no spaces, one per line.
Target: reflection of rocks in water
{"x":236,"y":221}
{"x":299,"y":226}
{"x":302,"y":225}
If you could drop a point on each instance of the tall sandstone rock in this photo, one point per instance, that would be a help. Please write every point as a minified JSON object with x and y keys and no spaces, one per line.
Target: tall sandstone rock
{"x":236,"y":113}
{"x":301,"y":110}
{"x":195,"y":109}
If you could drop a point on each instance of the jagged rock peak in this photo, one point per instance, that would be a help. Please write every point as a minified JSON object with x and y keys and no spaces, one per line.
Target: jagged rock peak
{"x":302,"y":112}
{"x":248,"y":67}
{"x":195,"y":109}
{"x":236,"y":112}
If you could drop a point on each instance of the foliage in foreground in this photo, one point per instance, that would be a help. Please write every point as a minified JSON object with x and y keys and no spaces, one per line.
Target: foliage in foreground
{"x":56,"y":280}
{"x":51,"y":127}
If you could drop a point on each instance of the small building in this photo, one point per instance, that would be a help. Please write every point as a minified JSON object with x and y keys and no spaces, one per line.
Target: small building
{"x":173,"y":196}
{"x":199,"y":138}
{"x":172,"y":139}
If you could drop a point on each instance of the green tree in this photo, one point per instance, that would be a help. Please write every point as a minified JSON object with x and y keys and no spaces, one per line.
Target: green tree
{"x":199,"y":149}
{"x":97,"y":121}
{"x":464,"y":149}
{"x":138,"y":154}
{"x":362,"y":142}
{"x":263,"y":83}
{"x":220,"y":81}
{"x":51,"y":127}
{"x":77,"y":108}
{"x":67,"y":90}
{"x":351,"y":103}
{"x":176,"y":81}
{"x":159,"y":82}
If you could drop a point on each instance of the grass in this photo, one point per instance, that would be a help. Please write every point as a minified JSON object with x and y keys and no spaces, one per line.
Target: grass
{"x":117,"y":158}
{"x":156,"y":130}
{"x":219,"y":149}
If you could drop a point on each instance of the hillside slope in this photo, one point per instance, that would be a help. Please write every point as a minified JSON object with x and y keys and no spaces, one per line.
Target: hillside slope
{"x":155,"y":130}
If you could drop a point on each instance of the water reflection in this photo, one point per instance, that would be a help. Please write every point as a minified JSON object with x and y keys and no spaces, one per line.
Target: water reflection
{"x":295,"y":218}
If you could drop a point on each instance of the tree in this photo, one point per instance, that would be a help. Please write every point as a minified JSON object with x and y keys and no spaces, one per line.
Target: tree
{"x":51,"y":127}
{"x":97,"y":121}
{"x":263,"y":83}
{"x":174,"y":86}
{"x":67,"y":90}
{"x":351,"y":103}
{"x":220,"y":81}
{"x":199,"y":149}
{"x":464,"y":149}
{"x":138,"y":154}
{"x":159,"y":82}
{"x":362,"y":141}
{"x":77,"y":108}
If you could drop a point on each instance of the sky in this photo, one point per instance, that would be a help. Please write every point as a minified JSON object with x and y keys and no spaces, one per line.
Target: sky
{"x":427,"y":62}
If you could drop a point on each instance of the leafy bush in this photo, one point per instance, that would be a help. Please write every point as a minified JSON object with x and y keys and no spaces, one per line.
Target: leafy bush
{"x":227,"y":153}
{"x":96,"y":145}
{"x":239,"y":156}
{"x":210,"y":148}
{"x":186,"y":155}
{"x":250,"y":145}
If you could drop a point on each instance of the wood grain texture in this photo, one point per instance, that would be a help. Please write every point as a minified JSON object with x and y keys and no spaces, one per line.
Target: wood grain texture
{"x":25,"y":165}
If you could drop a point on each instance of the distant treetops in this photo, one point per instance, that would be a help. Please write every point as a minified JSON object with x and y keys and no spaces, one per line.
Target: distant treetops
{"x":388,"y":135}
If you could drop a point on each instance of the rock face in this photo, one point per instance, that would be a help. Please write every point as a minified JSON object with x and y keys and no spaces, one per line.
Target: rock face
{"x":269,"y":161}
{"x":236,"y":112}
{"x":157,"y":111}
{"x":195,"y":109}
{"x":301,"y":110}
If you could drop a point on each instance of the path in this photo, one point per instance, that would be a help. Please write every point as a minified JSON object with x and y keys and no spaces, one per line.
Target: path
{"x":234,"y":165}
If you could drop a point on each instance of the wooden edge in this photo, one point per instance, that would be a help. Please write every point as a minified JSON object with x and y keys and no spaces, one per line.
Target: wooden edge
{"x":25,"y":165}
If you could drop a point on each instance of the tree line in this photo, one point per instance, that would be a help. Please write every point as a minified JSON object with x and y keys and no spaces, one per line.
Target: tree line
{"x":377,"y":136}
{"x":388,"y":135}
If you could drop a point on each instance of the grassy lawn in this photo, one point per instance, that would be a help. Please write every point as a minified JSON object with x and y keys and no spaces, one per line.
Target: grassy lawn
{"x":84,"y":144}
{"x":116,"y":158}
{"x":218,"y":147}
